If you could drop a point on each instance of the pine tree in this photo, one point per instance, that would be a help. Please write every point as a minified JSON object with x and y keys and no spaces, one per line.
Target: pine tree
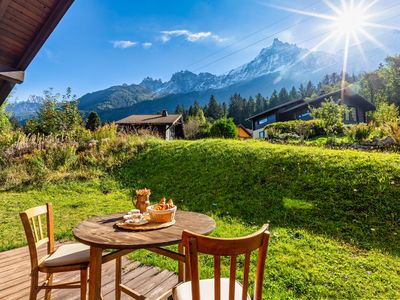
{"x":236,"y":108}
{"x":93,"y":122}
{"x":179,"y":110}
{"x":302,"y":91}
{"x":310,"y":89}
{"x":224,"y":109}
{"x":213,"y":110}
{"x":274,"y":100}
{"x":260,"y":103}
{"x":283,"y":96}
{"x":294,"y":95}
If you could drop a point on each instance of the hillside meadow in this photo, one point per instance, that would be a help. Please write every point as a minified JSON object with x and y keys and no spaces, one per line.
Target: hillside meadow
{"x":333,"y":214}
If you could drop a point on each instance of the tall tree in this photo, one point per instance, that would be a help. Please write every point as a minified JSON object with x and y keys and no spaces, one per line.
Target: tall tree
{"x":283,"y":95}
{"x":260,"y":103}
{"x":310,"y":89}
{"x":93,"y":122}
{"x":236,"y":108}
{"x":302,"y":91}
{"x":180,"y":110}
{"x":274,"y":99}
{"x":213,"y":109}
{"x":294,"y":95}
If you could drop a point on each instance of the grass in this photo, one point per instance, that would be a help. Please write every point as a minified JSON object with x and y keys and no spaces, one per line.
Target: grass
{"x":334,"y":214}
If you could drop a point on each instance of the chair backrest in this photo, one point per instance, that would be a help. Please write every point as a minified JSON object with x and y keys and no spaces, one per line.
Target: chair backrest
{"x":35,"y":235}
{"x":218,"y":247}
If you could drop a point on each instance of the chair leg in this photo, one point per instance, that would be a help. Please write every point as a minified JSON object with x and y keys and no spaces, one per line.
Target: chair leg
{"x":47,"y":294}
{"x":84,"y":279}
{"x":34,"y":285}
{"x":118,"y":278}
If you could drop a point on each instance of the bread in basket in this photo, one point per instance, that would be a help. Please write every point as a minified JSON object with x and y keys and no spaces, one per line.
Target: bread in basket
{"x":161,"y":215}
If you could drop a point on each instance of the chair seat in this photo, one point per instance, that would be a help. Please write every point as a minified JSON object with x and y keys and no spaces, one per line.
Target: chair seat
{"x":69,"y":254}
{"x":184,"y":290}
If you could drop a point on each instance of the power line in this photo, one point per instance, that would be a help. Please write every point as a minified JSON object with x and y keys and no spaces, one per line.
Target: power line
{"x":245,"y":37}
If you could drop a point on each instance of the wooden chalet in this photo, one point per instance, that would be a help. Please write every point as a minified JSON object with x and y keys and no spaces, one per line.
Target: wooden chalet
{"x":25,"y":26}
{"x":300,"y":110}
{"x":165,"y":125}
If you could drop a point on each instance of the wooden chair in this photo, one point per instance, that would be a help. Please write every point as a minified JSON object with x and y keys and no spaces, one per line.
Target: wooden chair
{"x":68,"y":257}
{"x":223,"y":288}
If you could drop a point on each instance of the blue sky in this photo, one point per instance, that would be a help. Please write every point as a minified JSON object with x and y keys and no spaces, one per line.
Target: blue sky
{"x":100,"y":43}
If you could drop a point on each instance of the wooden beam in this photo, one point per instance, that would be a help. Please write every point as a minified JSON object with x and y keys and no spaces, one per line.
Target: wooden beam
{"x":3,"y":7}
{"x":44,"y":32}
{"x":11,"y":74}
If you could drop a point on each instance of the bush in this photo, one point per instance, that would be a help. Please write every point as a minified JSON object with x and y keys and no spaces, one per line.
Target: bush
{"x":224,"y":128}
{"x":359,"y":132}
{"x":331,"y":114}
{"x":299,"y":128}
{"x":81,"y":154}
{"x":385,"y":113}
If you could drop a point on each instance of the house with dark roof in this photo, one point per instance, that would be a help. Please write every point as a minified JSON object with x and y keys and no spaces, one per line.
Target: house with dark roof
{"x":300,"y":110}
{"x":165,"y":125}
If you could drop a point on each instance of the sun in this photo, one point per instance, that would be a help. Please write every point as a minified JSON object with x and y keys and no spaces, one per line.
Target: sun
{"x":351,"y":20}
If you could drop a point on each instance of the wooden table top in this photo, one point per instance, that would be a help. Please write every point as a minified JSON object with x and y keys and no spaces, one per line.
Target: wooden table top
{"x":101,"y":232}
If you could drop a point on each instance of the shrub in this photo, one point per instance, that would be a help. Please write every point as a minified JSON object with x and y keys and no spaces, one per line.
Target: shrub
{"x":385,"y":113}
{"x":197,"y":126}
{"x":223,"y":128}
{"x":299,"y":128}
{"x":359,"y":132}
{"x":331,"y":114}
{"x":108,"y":131}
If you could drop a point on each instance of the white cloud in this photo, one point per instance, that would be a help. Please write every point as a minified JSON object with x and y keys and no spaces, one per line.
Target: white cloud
{"x":123,"y":44}
{"x":189,"y":36}
{"x":147,"y":45}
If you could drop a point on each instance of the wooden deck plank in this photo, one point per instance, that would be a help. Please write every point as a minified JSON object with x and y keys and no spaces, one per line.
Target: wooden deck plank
{"x":15,"y":278}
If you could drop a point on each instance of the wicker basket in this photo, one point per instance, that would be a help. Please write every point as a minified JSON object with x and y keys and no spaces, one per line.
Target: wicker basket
{"x":161,"y":216}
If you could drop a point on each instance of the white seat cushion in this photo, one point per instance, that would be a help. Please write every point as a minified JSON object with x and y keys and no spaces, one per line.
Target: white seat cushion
{"x":184,"y":290}
{"x":68,"y":254}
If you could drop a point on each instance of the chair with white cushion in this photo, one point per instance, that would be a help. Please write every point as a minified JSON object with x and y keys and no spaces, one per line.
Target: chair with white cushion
{"x":223,"y":288}
{"x":68,"y":257}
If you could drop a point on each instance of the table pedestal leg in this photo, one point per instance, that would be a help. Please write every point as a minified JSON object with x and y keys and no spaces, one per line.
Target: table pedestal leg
{"x":95,"y":273}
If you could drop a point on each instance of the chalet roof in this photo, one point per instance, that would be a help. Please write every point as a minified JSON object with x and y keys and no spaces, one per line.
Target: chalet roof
{"x":149,"y":120}
{"x":289,"y":103}
{"x":25,"y":25}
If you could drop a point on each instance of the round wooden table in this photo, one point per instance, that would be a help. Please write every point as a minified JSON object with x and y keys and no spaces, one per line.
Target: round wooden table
{"x":100,"y":233}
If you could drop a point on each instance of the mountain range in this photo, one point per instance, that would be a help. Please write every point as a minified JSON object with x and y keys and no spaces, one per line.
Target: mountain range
{"x":279,"y":65}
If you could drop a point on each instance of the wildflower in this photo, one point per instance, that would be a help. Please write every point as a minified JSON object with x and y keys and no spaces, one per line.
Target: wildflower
{"x":346,"y":277}
{"x":368,"y":273}
{"x":355,"y":190}
{"x":372,"y":229}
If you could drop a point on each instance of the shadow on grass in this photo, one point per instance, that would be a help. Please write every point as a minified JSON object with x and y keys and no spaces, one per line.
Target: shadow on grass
{"x":351,"y":201}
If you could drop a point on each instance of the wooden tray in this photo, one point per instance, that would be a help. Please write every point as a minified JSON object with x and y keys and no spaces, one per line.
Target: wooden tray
{"x":144,"y":227}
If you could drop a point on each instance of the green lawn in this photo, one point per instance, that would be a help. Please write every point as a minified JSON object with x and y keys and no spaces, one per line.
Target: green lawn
{"x":334,"y":214}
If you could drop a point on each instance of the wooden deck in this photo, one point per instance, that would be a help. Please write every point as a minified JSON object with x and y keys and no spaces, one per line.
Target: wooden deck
{"x":147,"y":280}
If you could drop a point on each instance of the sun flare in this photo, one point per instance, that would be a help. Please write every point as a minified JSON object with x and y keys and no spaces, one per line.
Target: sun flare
{"x":348,"y":22}
{"x":351,"y":20}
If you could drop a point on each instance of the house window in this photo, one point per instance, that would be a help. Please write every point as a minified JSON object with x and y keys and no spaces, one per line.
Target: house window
{"x":261,"y":134}
{"x":267,"y":120}
{"x":304,"y":115}
{"x":351,"y":115}
{"x":263,"y":121}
